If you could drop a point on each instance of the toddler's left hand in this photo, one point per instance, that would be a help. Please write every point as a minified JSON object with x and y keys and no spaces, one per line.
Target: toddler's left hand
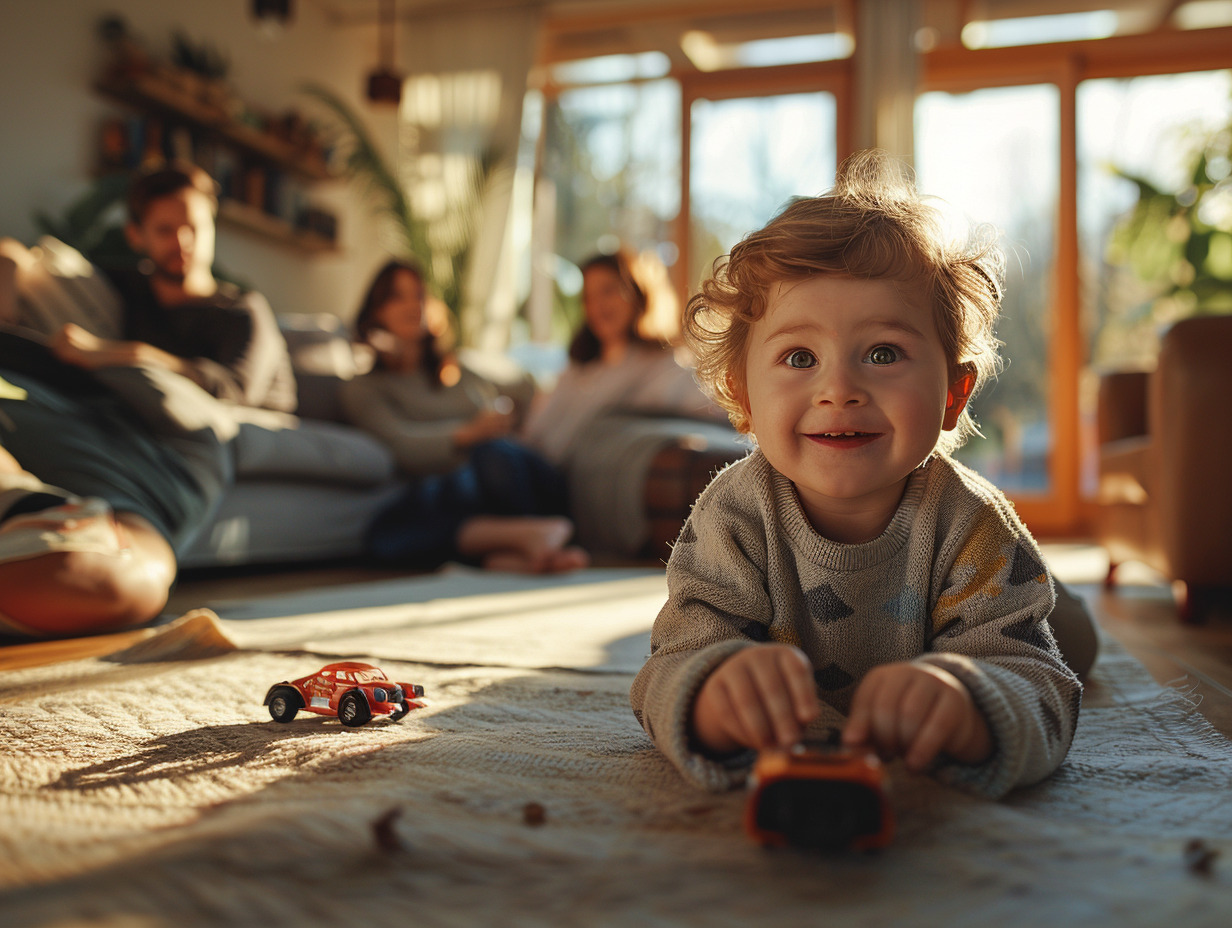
{"x":915,"y":711}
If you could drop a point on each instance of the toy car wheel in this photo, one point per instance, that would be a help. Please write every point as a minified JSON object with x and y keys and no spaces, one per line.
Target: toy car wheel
{"x":400,"y":713}
{"x":353,"y":710}
{"x":284,"y":702}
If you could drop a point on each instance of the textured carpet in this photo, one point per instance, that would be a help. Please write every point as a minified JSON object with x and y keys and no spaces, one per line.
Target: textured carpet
{"x":150,"y":788}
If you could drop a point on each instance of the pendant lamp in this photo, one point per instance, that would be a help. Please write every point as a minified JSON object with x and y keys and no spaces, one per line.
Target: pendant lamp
{"x":385,"y":84}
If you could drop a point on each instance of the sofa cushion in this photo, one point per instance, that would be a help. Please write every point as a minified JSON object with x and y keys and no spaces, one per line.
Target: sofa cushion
{"x":55,"y":284}
{"x":273,"y":521}
{"x":323,"y":356}
{"x":276,"y":445}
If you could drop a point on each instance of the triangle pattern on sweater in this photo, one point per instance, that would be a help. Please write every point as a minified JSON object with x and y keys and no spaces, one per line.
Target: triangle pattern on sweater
{"x":1024,"y":568}
{"x":827,"y":606}
{"x":1028,"y":631}
{"x":832,"y":677}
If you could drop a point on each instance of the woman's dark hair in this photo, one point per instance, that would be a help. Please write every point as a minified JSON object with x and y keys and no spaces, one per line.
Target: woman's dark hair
{"x":379,"y":293}
{"x":585,"y":345}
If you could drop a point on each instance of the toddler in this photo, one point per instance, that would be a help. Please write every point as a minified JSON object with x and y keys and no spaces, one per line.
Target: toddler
{"x":849,"y":575}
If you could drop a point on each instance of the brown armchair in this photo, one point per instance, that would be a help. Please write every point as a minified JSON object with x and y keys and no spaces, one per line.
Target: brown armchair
{"x":1165,"y":463}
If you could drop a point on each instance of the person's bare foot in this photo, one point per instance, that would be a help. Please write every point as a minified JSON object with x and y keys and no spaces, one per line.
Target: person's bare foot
{"x":530,"y":544}
{"x":552,"y":562}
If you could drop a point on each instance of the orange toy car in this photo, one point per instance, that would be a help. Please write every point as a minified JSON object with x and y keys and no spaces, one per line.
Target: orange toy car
{"x":352,"y":691}
{"x":819,"y":796}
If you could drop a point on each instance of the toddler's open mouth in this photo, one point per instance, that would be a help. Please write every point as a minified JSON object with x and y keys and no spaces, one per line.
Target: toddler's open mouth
{"x":844,"y":439}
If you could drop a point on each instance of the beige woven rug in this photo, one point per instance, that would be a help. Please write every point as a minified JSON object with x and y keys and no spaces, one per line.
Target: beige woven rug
{"x":152,"y":789}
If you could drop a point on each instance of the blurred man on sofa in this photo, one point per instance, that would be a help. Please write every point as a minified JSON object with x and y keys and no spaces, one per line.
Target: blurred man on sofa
{"x":176,"y":314}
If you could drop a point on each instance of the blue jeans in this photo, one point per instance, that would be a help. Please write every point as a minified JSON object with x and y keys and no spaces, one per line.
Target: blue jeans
{"x":501,"y":478}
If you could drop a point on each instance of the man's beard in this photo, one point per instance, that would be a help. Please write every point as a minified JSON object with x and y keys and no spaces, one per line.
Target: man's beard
{"x":163,"y":273}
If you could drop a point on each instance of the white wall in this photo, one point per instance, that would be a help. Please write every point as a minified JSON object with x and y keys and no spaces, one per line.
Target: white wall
{"x":49,"y":56}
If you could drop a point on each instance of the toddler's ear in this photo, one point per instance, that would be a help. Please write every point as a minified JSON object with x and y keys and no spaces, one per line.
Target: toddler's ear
{"x":736,"y":390}
{"x":956,"y":396}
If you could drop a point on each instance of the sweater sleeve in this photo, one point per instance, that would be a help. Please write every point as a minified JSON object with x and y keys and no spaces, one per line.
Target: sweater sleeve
{"x":420,"y":446}
{"x":248,"y":364}
{"x":717,"y":605}
{"x":990,"y":629}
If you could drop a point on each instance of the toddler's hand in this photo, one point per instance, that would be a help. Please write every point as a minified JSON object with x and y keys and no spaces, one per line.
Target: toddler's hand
{"x":915,"y":711}
{"x":758,"y":698}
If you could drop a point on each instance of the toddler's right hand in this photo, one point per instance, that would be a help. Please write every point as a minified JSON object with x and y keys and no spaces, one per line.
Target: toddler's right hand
{"x":760,"y":697}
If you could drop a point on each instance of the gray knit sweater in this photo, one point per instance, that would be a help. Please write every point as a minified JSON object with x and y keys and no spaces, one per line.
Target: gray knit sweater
{"x":955,"y":581}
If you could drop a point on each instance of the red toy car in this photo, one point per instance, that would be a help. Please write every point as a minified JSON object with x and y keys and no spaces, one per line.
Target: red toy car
{"x":352,"y":691}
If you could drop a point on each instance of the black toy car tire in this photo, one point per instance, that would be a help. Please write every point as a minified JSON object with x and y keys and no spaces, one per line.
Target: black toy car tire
{"x":353,"y":709}
{"x":284,"y":703}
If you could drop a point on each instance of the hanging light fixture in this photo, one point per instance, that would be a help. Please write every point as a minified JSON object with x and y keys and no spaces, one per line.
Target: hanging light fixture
{"x":385,"y":84}
{"x":272,"y":15}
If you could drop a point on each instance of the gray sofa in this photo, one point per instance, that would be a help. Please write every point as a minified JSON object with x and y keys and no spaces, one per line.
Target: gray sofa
{"x":306,"y":486}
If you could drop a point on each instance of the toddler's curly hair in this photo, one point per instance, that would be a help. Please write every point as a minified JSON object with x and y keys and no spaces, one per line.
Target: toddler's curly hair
{"x":872,"y":225}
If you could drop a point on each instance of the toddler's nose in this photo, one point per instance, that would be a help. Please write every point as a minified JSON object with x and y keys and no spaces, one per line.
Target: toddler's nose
{"x":839,"y":386}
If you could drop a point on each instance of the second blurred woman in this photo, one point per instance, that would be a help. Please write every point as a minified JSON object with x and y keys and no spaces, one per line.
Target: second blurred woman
{"x":613,"y":366}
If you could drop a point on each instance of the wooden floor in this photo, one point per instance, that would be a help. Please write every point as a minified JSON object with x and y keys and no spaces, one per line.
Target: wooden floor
{"x":1139,"y":613}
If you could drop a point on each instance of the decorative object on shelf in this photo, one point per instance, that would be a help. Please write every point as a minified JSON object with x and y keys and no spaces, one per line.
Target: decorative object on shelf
{"x":128,"y":56}
{"x":272,"y":15}
{"x":385,"y":84}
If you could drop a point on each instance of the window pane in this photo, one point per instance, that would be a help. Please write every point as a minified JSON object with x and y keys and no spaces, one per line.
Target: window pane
{"x":749,"y":156}
{"x":613,"y":154}
{"x":1156,"y":129}
{"x":611,"y":167}
{"x":992,"y":156}
{"x":1153,"y":128}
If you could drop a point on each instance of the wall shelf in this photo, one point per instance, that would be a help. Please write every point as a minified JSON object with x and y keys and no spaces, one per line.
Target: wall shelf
{"x":250,"y":218}
{"x":263,"y":175}
{"x":151,"y":93}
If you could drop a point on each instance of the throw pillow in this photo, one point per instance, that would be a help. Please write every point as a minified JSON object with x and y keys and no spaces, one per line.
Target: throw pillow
{"x":56,"y":284}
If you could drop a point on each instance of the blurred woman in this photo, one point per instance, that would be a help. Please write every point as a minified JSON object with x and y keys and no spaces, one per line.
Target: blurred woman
{"x":449,"y":429}
{"x":614,"y":365}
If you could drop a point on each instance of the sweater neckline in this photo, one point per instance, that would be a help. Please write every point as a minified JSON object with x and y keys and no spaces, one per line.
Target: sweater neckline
{"x":834,"y":555}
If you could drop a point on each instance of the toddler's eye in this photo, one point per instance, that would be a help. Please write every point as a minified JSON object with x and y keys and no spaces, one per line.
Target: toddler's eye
{"x":882,"y":354}
{"x":800,"y":359}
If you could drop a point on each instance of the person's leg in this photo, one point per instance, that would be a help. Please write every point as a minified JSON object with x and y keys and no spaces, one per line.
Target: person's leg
{"x":419,"y":529}
{"x":109,"y":570}
{"x":67,"y":593}
{"x":516,"y":481}
{"x":440,"y":518}
{"x":95,"y":446}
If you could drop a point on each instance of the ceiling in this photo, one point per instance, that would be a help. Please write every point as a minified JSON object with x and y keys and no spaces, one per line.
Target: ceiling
{"x":348,"y":12}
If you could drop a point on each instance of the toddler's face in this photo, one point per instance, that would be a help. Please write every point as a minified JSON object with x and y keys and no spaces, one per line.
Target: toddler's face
{"x":846,"y":390}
